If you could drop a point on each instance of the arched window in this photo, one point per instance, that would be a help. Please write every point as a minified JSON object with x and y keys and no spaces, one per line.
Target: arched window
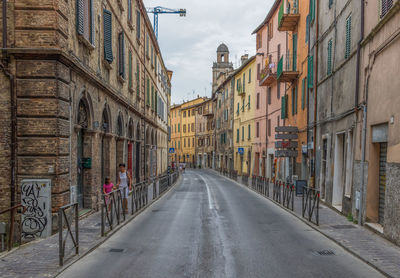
{"x":105,"y":122}
{"x":83,"y":120}
{"x":120,"y":130}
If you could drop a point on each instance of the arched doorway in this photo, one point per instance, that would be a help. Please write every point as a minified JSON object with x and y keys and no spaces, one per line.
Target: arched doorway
{"x":119,"y":154}
{"x":138,"y":154}
{"x":130,"y":148}
{"x":83,"y":122}
{"x":105,"y":145}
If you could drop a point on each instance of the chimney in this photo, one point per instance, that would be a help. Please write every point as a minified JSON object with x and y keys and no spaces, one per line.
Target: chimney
{"x":244,"y":58}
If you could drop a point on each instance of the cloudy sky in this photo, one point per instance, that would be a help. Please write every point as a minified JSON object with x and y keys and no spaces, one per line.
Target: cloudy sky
{"x":189,"y":43}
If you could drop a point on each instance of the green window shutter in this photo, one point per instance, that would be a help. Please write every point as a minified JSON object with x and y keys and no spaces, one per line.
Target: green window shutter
{"x":249,"y":136}
{"x":80,"y":17}
{"x":303,"y":92}
{"x":130,"y":81}
{"x":307,"y":27}
{"x":249,"y":103}
{"x":152,"y":97}
{"x":295,"y":100}
{"x":129,"y":10}
{"x":138,"y":25}
{"x":148,"y":92}
{"x":237,"y":135}
{"x":238,"y":108}
{"x":348,"y":37}
{"x":137,"y":79}
{"x":294,"y":41}
{"x":329,"y":63}
{"x":121,"y":55}
{"x":107,"y":21}
{"x":242,"y":133}
{"x":249,"y":75}
{"x":312,"y":10}
{"x":92,"y":29}
{"x":310,"y":76}
{"x":156,"y":101}
{"x":244,"y":82}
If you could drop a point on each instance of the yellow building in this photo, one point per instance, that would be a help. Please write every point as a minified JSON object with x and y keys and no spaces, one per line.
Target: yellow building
{"x":245,"y":102}
{"x":183,"y":131}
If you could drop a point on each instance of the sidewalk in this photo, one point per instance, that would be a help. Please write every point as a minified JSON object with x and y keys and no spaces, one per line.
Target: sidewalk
{"x":360,"y":241}
{"x":40,"y":258}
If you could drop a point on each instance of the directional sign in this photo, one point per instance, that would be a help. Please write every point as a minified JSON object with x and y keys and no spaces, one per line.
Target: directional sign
{"x":171,"y":150}
{"x":286,"y":144}
{"x":290,"y":136}
{"x":290,"y":129}
{"x":286,"y":153}
{"x":241,"y":151}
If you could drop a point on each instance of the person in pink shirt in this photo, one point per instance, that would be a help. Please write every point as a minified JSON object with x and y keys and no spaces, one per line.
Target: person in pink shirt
{"x":108,"y":186}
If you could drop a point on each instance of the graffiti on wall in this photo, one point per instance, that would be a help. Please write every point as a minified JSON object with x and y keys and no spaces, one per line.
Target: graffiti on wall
{"x":36,"y":200}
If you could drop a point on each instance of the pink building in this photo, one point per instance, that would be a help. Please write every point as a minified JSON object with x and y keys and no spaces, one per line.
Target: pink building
{"x":271,"y":45}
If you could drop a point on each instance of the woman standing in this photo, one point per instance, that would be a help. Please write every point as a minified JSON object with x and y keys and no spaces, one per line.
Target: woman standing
{"x":125,"y":185}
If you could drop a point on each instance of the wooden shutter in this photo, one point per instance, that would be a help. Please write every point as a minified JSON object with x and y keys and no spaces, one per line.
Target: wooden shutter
{"x":92,"y":29}
{"x":329,"y":64}
{"x":249,"y":103}
{"x":295,"y":100}
{"x":130,"y":10}
{"x":307,"y":28}
{"x":303,"y":93}
{"x":130,"y":70}
{"x":80,"y":17}
{"x":138,"y":25}
{"x":310,"y":76}
{"x":386,"y":5}
{"x":137,"y":79}
{"x":348,"y":37}
{"x":294,"y":41}
{"x":121,"y":55}
{"x":107,"y":21}
{"x":283,"y":107}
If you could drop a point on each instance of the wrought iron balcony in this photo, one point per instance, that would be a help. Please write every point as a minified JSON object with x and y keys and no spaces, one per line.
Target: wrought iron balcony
{"x":287,"y":68}
{"x":288,"y":16}
{"x":268,"y":74}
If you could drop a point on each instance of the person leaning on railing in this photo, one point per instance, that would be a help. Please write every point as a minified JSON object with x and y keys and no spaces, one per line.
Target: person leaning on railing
{"x":124,"y":184}
{"x":108,"y":187}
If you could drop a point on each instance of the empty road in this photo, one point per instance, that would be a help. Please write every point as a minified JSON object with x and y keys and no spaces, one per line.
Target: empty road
{"x":208,"y":226}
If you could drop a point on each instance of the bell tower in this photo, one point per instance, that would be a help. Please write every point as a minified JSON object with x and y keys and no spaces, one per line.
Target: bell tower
{"x":222,"y":67}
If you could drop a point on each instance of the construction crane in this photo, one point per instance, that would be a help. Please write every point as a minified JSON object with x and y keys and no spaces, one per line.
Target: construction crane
{"x":161,"y":10}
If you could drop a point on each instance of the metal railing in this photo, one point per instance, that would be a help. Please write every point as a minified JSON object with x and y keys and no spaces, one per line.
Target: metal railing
{"x":245,"y":179}
{"x":112,"y":207}
{"x":65,"y":220}
{"x":287,"y":7}
{"x":310,"y":204}
{"x":163,"y":183}
{"x":288,"y":195}
{"x":286,"y":63}
{"x":277,"y":196}
{"x":9,"y":237}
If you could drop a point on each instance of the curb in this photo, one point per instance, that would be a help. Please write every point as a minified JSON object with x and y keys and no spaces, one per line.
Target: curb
{"x":111,"y":233}
{"x":315,"y":227}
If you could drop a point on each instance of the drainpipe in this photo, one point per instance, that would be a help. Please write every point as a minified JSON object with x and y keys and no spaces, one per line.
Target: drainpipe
{"x":363,"y":147}
{"x":359,"y":56}
{"x":13,"y":108}
{"x":315,"y":90}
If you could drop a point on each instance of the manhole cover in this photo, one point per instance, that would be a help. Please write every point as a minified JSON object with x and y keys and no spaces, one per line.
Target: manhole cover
{"x":114,"y":250}
{"x":341,"y":227}
{"x":325,"y":253}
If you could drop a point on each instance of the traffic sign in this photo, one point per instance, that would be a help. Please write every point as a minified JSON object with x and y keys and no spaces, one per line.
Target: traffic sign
{"x":241,"y":151}
{"x":286,"y":153}
{"x":289,"y":136}
{"x":286,"y":144}
{"x":290,"y":129}
{"x":171,"y":150}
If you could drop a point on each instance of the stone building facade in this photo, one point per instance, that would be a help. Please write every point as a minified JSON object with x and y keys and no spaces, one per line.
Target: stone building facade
{"x":377,"y":131}
{"x":204,"y":134}
{"x":85,"y":88}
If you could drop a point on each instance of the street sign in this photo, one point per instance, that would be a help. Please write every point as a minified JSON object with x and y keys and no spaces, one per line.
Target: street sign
{"x":286,"y":153}
{"x":290,"y":129}
{"x":286,"y":144}
{"x":241,"y":151}
{"x":290,"y":136}
{"x":171,"y":150}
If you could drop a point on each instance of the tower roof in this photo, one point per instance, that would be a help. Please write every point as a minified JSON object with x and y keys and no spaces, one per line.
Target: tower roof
{"x":222,"y":48}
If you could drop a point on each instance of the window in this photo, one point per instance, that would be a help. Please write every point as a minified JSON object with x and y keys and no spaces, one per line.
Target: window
{"x":258,"y":101}
{"x":312,"y":10}
{"x":385,"y":6}
{"x":148,"y":92}
{"x":85,"y":20}
{"x":147,"y":46}
{"x":259,"y":41}
{"x":303,"y":94}
{"x":258,"y":71}
{"x":330,"y":4}
{"x":279,"y":121}
{"x":269,"y":95}
{"x":184,"y":142}
{"x":243,"y":106}
{"x":192,"y":127}
{"x":269,"y":127}
{"x":152,"y":96}
{"x":238,"y":108}
{"x":237,"y":135}
{"x":152,"y":56}
{"x":184,"y":114}
{"x":270,"y":30}
{"x":121,"y":55}
{"x":284,"y":104}
{"x":249,"y":75}
{"x":107,"y":26}
{"x":307,"y":28}
{"x":329,"y":62}
{"x":258,"y":129}
{"x":130,"y":78}
{"x":179,"y":144}
{"x":189,"y":142}
{"x":244,"y":82}
{"x":184,"y":128}
{"x":310,"y":74}
{"x":179,"y":127}
{"x":188,"y":113}
{"x":219,"y":103}
{"x":294,"y":101}
{"x":249,"y":103}
{"x":242,"y":133}
{"x":249,"y":132}
{"x":278,"y":90}
{"x":348,"y":37}
{"x":137,"y":79}
{"x":130,"y":12}
{"x":138,"y":25}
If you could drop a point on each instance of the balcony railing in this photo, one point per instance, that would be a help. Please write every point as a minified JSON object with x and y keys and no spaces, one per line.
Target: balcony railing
{"x":287,"y":68}
{"x":268,"y":74}
{"x":288,"y":16}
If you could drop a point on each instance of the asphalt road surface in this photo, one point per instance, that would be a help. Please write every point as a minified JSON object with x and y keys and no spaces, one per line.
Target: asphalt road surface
{"x":208,"y":226}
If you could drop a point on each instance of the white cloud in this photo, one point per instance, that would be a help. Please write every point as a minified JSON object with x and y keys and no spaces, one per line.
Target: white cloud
{"x":189,"y":44}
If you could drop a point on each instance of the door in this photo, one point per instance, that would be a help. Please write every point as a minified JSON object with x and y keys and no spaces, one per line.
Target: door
{"x":130,"y":157}
{"x":137,"y":168}
{"x":80,"y":176}
{"x":338,"y":177}
{"x":382,"y":180}
{"x":323,"y":168}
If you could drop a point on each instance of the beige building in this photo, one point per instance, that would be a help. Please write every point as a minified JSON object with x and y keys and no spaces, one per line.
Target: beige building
{"x":204,"y":134}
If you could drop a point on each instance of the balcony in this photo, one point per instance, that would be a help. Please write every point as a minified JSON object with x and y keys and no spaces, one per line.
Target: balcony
{"x":240,"y":89}
{"x":208,"y":113}
{"x":288,"y":16}
{"x":287,"y":69}
{"x":268,"y":74}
